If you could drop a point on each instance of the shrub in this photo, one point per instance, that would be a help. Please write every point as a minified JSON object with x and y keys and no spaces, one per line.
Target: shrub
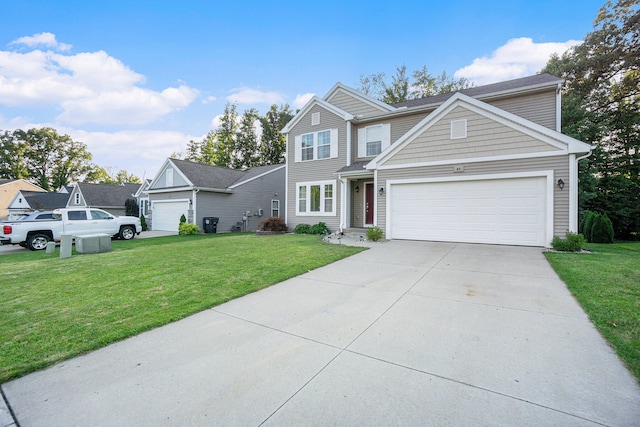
{"x":571,"y":243}
{"x":587,"y":224}
{"x":143,"y":223}
{"x":273,"y":223}
{"x":319,"y":228}
{"x":131,"y":207}
{"x":187,"y":229}
{"x":601,"y":229}
{"x":374,"y":233}
{"x":302,"y":229}
{"x":183,"y":219}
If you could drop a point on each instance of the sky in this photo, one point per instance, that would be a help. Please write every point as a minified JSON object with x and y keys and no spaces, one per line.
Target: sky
{"x":137,"y":80}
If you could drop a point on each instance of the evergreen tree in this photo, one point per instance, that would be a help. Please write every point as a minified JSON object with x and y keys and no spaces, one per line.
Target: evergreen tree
{"x":273,"y":143}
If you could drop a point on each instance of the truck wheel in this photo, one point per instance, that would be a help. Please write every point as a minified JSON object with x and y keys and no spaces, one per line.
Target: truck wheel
{"x":38,"y":241}
{"x":127,"y":232}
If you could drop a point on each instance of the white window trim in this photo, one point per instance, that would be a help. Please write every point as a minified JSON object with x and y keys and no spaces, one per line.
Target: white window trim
{"x":76,"y":200}
{"x":333,"y":150}
{"x":362,"y":139}
{"x":277,"y":208}
{"x":322,"y":185}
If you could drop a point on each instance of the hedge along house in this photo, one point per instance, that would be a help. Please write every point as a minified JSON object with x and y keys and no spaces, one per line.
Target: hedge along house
{"x":241,"y":199}
{"x":482,"y":165}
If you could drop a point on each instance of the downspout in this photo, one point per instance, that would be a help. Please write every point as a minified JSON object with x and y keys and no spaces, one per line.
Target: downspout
{"x":559,"y":108}
{"x":573,"y":191}
{"x":194,"y":199}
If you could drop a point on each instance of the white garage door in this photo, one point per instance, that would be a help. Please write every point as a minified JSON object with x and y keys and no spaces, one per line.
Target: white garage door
{"x":166,"y":215}
{"x":501,"y":211}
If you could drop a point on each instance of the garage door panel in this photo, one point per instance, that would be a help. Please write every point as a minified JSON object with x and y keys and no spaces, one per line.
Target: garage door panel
{"x":166,"y":215}
{"x":503,"y":211}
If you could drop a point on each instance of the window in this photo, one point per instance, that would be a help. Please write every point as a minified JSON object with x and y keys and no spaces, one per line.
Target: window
{"x":77,"y":199}
{"x":275,"y":208}
{"x":307,"y":147}
{"x":316,"y":145}
{"x":99,"y":215}
{"x":374,"y":140}
{"x":77,"y":215}
{"x":324,"y":144}
{"x":316,"y":198}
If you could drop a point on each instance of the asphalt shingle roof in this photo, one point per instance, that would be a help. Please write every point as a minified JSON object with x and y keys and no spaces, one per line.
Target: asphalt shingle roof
{"x":209,"y":176}
{"x":473,"y":92}
{"x":45,"y":201}
{"x":97,"y":195}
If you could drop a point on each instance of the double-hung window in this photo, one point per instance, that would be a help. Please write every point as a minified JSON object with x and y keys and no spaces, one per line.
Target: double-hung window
{"x":275,"y":207}
{"x":316,"y":198}
{"x":316,"y":145}
{"x":374,"y":140}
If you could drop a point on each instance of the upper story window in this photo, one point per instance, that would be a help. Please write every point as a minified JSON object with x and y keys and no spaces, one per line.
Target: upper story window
{"x":373,"y":140}
{"x":316,"y":145}
{"x":77,"y":199}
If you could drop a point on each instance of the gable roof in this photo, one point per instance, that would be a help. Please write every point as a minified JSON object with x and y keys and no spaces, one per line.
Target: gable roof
{"x":312,"y":102}
{"x":379,"y":105}
{"x":6,"y":181}
{"x":40,"y":201}
{"x":553,"y":138}
{"x":107,"y":195}
{"x":486,"y":91}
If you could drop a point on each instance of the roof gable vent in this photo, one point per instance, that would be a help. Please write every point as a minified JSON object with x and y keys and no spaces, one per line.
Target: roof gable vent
{"x":458,"y":129}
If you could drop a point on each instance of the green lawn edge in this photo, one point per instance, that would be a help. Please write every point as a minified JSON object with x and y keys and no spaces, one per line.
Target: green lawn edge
{"x":53,"y":309}
{"x":606,"y":283}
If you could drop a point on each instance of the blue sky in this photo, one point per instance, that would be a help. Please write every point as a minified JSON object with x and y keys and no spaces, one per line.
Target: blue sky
{"x":136,"y":80}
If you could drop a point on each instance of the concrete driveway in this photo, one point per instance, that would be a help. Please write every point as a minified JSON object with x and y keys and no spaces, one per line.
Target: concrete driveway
{"x":406,"y":333}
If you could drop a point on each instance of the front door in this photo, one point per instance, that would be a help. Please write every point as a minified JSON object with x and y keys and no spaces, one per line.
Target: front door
{"x":369,"y":203}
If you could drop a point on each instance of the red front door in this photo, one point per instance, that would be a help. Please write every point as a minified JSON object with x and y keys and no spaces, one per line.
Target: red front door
{"x":369,"y":203}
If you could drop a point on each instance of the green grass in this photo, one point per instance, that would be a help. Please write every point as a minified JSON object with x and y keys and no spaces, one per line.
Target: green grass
{"x":52,"y":309}
{"x":606,"y":283}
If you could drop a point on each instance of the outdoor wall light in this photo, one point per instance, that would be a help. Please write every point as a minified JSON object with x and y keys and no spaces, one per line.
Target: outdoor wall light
{"x":357,"y":189}
{"x":561,"y":184}
{"x":381,"y":191}
{"x":190,"y":202}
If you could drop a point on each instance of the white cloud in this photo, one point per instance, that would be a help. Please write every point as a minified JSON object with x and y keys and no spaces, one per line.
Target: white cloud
{"x":301,"y":100}
{"x":90,"y":87}
{"x":519,"y":57}
{"x":247,"y":95}
{"x":209,"y":99}
{"x":41,"y":39}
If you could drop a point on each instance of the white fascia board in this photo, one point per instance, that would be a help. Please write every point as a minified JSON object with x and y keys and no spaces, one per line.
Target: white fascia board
{"x":170,"y":190}
{"x":256,"y":177}
{"x":312,"y":102}
{"x":379,"y":105}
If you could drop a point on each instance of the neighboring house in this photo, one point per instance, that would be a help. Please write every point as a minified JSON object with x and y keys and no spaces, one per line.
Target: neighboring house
{"x":26,"y":202}
{"x":142,"y":196}
{"x":9,"y":188}
{"x":239,"y":198}
{"x":483,"y":165}
{"x":109,"y":197}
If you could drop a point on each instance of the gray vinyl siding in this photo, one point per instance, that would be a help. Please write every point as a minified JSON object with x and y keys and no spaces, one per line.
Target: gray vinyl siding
{"x":178,"y":181}
{"x":559,"y":164}
{"x":399,"y":127}
{"x":315,"y":170}
{"x":485,"y":138}
{"x":538,"y":107}
{"x":251,"y":196}
{"x":352,"y":105}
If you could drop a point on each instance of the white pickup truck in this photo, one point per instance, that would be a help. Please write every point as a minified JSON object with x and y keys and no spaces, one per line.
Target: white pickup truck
{"x":73,"y":221}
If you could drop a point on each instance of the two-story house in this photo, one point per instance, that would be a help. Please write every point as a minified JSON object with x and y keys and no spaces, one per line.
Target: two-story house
{"x":482,"y":165}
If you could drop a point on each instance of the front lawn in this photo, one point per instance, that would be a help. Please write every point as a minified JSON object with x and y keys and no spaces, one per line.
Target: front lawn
{"x":52,"y":309}
{"x":606,"y":283}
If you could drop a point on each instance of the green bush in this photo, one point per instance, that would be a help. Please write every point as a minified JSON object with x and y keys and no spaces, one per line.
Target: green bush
{"x":143,"y":223}
{"x":602,"y":229}
{"x":183,"y":219}
{"x":187,"y":229}
{"x":319,"y":228}
{"x":587,"y":224}
{"x":273,"y":223}
{"x":302,"y":229}
{"x":374,"y":233}
{"x":571,"y":243}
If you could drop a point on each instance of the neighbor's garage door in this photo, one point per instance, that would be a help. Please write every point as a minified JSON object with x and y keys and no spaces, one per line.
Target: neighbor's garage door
{"x":166,"y":215}
{"x":501,"y":211}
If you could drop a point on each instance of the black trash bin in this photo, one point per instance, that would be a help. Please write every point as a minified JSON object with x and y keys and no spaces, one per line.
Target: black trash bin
{"x":210,"y":224}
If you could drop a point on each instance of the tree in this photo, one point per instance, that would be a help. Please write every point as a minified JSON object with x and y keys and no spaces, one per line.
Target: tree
{"x":402,"y":88}
{"x":100,"y":175}
{"x":224,"y":144}
{"x":12,"y":157}
{"x":246,"y":152}
{"x":273,"y":143}
{"x":601,"y":107}
{"x":52,"y":160}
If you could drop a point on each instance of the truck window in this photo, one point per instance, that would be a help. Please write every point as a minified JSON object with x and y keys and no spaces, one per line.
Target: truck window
{"x":99,"y":215}
{"x":77,"y":215}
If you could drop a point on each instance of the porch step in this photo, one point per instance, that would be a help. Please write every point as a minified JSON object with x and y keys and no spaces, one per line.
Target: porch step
{"x":355,"y":232}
